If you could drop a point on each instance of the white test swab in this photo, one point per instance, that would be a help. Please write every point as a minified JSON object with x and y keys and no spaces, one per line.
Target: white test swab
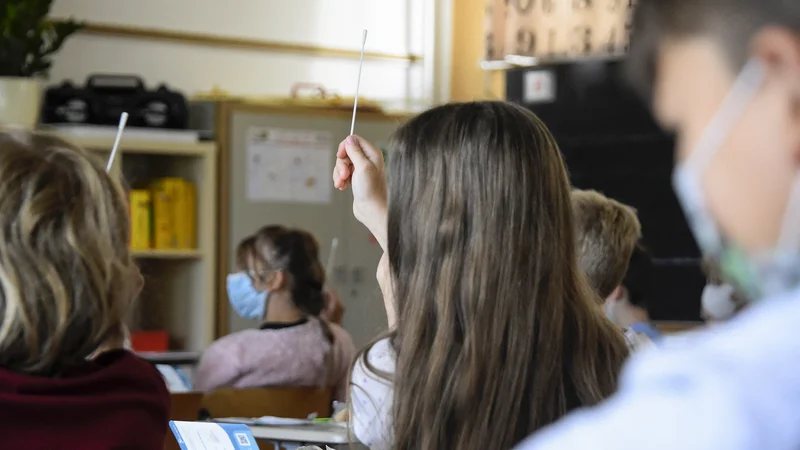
{"x":331,"y":258}
{"x":123,"y":119}
{"x":358,"y":83}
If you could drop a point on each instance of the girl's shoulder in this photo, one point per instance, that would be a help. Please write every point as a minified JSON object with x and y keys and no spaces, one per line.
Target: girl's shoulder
{"x":372,"y":394}
{"x":233,"y":342}
{"x":381,"y":356}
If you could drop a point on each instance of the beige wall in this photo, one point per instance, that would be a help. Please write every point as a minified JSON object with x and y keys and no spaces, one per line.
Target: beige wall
{"x":468,"y":81}
{"x":395,"y":26}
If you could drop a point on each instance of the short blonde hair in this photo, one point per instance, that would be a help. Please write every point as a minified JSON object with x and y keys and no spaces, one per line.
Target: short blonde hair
{"x":607,"y":232}
{"x":66,"y":274}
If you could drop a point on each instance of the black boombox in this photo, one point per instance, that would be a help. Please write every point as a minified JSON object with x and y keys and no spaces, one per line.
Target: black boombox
{"x":106,"y":97}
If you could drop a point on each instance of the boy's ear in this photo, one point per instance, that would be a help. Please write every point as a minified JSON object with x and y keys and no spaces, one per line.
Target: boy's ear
{"x":779,"y":49}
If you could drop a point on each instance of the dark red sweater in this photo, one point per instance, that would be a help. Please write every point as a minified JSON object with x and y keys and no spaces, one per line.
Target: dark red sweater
{"x":118,"y":401}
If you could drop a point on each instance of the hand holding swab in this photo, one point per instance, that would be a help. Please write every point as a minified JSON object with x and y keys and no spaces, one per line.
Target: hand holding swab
{"x":358,"y":83}
{"x":123,"y":119}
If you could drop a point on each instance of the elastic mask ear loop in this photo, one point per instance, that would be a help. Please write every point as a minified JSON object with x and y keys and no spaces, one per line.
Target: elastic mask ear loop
{"x":779,"y":269}
{"x":728,"y":114}
{"x":689,"y":174}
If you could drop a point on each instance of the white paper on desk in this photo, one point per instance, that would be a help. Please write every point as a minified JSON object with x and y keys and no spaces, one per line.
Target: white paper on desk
{"x":289,"y":165}
{"x":200,"y":435}
{"x":281,"y":421}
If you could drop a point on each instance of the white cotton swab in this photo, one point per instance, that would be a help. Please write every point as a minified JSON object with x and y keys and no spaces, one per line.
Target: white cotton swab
{"x":331,"y":257}
{"x":358,"y":83}
{"x":123,"y":119}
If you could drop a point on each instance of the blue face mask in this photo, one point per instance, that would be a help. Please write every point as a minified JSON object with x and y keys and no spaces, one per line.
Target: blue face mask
{"x":246,"y":300}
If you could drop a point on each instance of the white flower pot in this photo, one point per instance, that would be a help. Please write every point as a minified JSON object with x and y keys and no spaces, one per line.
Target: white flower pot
{"x":20,"y":101}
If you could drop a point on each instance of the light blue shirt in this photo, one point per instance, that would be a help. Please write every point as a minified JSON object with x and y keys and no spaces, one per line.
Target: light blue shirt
{"x":735,"y":386}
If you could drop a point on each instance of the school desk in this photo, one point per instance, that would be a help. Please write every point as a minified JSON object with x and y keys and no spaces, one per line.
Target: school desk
{"x":171,"y":358}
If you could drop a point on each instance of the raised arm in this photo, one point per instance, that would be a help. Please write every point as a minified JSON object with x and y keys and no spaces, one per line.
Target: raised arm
{"x":359,"y":165}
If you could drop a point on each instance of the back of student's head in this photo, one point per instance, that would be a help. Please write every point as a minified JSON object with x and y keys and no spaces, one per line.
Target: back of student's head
{"x":245,"y":252}
{"x":729,"y":24}
{"x":497,"y":334}
{"x":295,"y":254}
{"x":638,"y":280}
{"x":606,"y":232}
{"x":66,"y":275}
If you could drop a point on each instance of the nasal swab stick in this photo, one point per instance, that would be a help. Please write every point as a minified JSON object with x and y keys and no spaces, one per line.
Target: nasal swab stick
{"x":358,"y":83}
{"x":123,"y":119}
{"x":331,"y":257}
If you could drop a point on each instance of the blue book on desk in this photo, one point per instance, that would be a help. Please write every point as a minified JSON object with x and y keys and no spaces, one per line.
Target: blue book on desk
{"x":212,"y":436}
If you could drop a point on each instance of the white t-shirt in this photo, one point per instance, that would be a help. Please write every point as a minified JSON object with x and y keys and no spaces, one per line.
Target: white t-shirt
{"x":371,"y":398}
{"x":735,"y":386}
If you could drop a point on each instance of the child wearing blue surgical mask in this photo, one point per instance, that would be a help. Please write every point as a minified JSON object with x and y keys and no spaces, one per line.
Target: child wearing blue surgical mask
{"x":279,"y":280}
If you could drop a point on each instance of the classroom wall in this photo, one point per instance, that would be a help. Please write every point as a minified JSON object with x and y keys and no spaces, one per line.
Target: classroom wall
{"x":395,"y":26}
{"x":468,"y":81}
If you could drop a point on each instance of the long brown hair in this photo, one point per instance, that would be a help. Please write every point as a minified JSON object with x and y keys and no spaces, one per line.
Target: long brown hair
{"x":66,"y":275}
{"x":498,"y":333}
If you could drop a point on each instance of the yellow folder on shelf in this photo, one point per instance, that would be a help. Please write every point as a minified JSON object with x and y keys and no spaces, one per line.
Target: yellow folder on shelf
{"x":163,"y":207}
{"x":140,"y":208}
{"x":185,"y":216}
{"x":190,"y":212}
{"x":174,"y":214}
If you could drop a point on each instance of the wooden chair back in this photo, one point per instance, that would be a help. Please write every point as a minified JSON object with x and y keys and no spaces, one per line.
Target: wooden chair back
{"x":185,"y":406}
{"x":291,"y":402}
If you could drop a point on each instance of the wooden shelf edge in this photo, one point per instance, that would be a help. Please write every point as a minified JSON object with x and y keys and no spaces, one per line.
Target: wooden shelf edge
{"x":674,"y":326}
{"x":148,"y":147}
{"x":230,"y":42}
{"x":140,"y":146}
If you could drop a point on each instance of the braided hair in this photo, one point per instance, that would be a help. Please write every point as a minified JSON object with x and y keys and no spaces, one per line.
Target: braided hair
{"x":295,"y":253}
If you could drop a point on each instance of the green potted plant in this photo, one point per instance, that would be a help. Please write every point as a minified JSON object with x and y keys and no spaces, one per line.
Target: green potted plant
{"x":28,"y":40}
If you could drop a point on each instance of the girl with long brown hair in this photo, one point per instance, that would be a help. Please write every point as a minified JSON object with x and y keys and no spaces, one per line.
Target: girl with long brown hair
{"x":494,"y":332}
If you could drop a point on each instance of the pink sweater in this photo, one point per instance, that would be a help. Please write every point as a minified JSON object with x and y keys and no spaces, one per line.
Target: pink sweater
{"x":293,"y":355}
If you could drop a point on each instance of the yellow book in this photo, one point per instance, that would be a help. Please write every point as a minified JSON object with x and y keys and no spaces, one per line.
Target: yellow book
{"x":163,"y":213}
{"x":179,"y":210}
{"x":175,"y":188}
{"x":139,"y":201}
{"x":188,"y":230}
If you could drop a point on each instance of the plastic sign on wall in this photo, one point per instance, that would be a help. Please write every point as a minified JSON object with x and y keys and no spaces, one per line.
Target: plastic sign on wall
{"x":556,"y":28}
{"x":539,"y":86}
